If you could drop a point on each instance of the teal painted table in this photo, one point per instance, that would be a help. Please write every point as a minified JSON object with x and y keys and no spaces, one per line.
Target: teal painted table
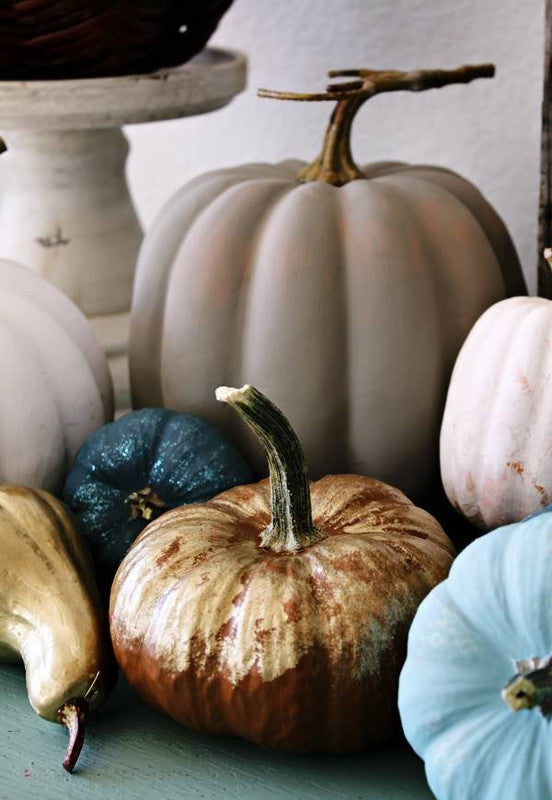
{"x":135,"y":753}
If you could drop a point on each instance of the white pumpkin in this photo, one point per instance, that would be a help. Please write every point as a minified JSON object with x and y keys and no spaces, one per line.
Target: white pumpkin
{"x":353,"y":285}
{"x":496,"y":437}
{"x":56,"y":385}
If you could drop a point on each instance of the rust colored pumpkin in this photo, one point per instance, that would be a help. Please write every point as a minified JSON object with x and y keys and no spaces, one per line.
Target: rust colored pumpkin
{"x":278,"y":611}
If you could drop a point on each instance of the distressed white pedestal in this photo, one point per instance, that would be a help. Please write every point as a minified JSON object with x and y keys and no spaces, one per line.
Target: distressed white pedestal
{"x":65,"y":207}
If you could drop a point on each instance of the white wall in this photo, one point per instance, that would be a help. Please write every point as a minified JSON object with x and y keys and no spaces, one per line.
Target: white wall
{"x":489,"y":131}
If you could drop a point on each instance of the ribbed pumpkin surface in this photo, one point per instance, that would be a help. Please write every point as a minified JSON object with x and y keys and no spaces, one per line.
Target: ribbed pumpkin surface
{"x":84,"y":38}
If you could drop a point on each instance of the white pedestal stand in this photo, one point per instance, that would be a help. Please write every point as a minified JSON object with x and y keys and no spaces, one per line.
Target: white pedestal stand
{"x":65,"y":207}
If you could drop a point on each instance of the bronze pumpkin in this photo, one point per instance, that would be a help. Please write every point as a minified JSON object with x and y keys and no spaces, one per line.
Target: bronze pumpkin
{"x":251,"y":616}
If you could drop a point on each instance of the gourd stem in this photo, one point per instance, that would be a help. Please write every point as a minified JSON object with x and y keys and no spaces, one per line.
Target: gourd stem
{"x":146,"y":504}
{"x":531,"y":687}
{"x":335,"y":164}
{"x":291,"y":527}
{"x":72,"y":714}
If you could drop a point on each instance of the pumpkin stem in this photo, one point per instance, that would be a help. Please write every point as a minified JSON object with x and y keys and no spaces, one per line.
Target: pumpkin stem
{"x":335,"y":164}
{"x":291,"y":527}
{"x":146,"y":504}
{"x":72,"y":714}
{"x":531,"y":687}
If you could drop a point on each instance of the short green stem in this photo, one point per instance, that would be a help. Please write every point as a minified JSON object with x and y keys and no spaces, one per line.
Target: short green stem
{"x":291,"y":527}
{"x":531,"y":687}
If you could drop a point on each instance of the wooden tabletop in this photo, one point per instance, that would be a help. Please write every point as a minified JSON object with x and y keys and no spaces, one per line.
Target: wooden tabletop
{"x":135,"y":753}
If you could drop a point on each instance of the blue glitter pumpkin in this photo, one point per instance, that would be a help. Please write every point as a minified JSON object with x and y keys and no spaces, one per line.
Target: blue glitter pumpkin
{"x":132,"y":470}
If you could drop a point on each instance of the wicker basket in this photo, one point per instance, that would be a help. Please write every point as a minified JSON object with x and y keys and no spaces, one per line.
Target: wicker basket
{"x":44,"y":39}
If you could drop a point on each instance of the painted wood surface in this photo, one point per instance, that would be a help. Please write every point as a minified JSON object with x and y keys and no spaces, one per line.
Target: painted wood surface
{"x":135,"y":752}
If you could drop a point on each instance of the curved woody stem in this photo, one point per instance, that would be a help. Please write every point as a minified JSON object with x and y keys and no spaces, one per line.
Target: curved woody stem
{"x":73,"y":714}
{"x":335,"y":164}
{"x":291,"y":527}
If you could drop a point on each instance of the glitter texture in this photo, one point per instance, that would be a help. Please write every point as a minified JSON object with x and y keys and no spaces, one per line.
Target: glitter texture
{"x":182,"y":458}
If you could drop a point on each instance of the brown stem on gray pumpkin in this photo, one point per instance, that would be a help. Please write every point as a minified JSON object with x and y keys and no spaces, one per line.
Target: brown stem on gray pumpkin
{"x":335,"y":164}
{"x":531,"y":687}
{"x":291,"y":527}
{"x":72,"y":714}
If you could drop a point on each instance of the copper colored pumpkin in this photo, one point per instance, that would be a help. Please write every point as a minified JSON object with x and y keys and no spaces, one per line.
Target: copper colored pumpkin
{"x":260,"y":615}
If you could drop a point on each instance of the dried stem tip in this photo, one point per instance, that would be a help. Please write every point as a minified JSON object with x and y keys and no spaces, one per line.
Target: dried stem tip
{"x":72,"y":714}
{"x":335,"y":164}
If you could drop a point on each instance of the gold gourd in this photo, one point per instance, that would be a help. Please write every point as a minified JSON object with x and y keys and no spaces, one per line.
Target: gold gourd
{"x":50,"y":615}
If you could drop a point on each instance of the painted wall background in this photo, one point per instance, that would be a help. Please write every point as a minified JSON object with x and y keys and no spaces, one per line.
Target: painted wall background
{"x":489,"y":131}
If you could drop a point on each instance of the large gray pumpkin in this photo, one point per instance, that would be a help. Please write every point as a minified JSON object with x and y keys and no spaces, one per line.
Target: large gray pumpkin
{"x":355,"y":286}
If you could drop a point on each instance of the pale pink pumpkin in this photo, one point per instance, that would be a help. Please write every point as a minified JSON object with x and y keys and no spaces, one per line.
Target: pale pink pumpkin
{"x":496,"y":437}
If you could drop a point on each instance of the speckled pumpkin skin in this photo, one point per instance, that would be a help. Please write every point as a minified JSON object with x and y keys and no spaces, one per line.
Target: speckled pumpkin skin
{"x":299,"y":652}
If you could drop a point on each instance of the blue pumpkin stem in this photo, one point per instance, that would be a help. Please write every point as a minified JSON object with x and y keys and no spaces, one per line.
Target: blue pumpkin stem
{"x":531,"y":687}
{"x":291,"y":527}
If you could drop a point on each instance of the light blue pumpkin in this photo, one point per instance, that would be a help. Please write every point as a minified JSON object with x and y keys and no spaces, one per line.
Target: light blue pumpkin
{"x":494,"y":609}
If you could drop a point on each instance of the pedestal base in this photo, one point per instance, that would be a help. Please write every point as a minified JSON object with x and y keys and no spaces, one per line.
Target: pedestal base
{"x":67,"y":214}
{"x":66,"y":211}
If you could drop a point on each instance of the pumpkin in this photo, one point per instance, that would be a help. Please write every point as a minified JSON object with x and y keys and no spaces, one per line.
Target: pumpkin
{"x":58,"y":388}
{"x":133,"y":469}
{"x":363,"y":282}
{"x":278,"y":612}
{"x":497,"y":426}
{"x":475,"y":690}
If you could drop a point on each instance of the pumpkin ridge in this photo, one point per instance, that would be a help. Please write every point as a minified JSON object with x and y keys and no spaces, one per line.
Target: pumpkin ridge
{"x":497,"y":372}
{"x":247,"y":286}
{"x":26,"y":283}
{"x":143,"y":374}
{"x":391,"y":207}
{"x":298,"y":259}
{"x":88,"y":388}
{"x":491,"y":223}
{"x":235,"y":203}
{"x":344,"y":313}
{"x":537,"y":423}
{"x":46,"y":471}
{"x":159,"y":436}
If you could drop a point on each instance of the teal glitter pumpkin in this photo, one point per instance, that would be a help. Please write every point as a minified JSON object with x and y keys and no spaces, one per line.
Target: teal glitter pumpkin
{"x":134,"y":469}
{"x":475,"y":693}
